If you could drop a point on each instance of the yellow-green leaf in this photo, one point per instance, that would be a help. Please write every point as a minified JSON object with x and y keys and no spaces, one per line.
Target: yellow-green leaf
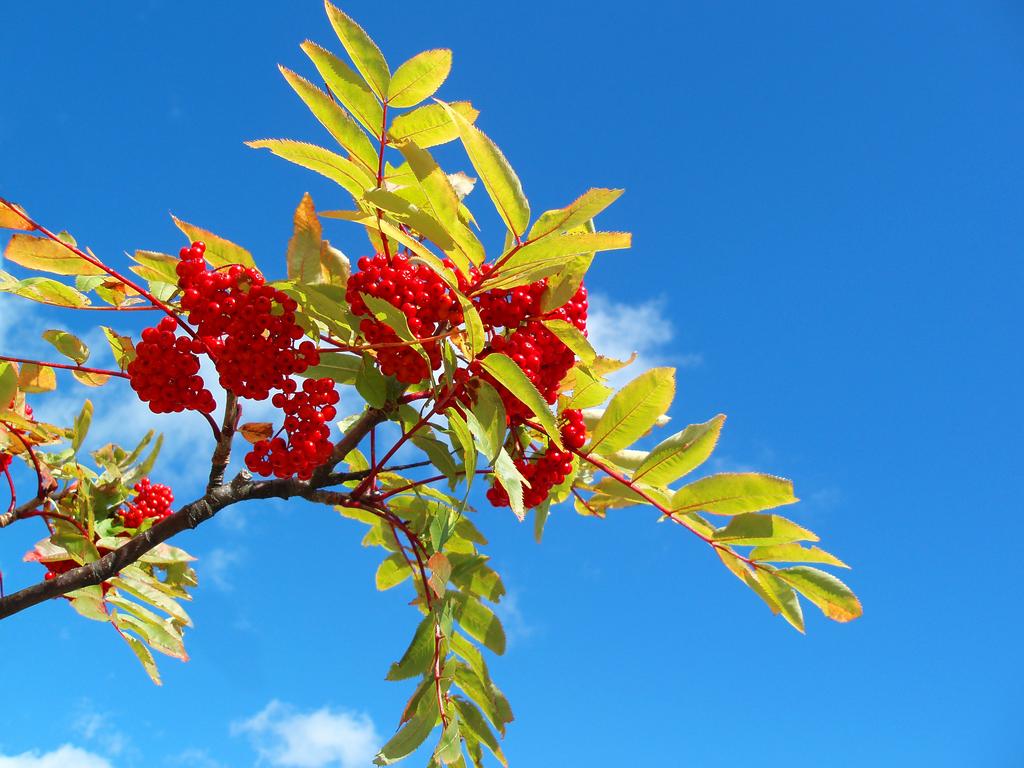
{"x":680,"y":454}
{"x":68,"y":345}
{"x":549,"y":256}
{"x":348,"y":87}
{"x":364,"y":52}
{"x":431,"y":125}
{"x":511,"y":376}
{"x":581,"y":210}
{"x":335,"y":119}
{"x":338,"y":169}
{"x":500,"y":181}
{"x":419,"y":77}
{"x":794,"y":553}
{"x":91,"y":379}
{"x":633,"y":411}
{"x":733,"y":493}
{"x":753,"y":529}
{"x":782,"y":598}
{"x":304,"y":248}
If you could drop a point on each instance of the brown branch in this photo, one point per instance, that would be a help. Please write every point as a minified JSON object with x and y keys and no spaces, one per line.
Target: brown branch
{"x":222,"y":453}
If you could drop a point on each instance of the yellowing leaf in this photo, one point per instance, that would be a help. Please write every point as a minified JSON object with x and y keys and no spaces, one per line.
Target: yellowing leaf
{"x":304,"y":249}
{"x":419,"y":77}
{"x":35,"y":378}
{"x":255,"y":431}
{"x":90,"y":379}
{"x":633,"y":411}
{"x":219,"y":252}
{"x":549,"y":256}
{"x":45,"y":255}
{"x":11,"y":219}
{"x":783,"y":597}
{"x":832,"y":596}
{"x":733,"y":493}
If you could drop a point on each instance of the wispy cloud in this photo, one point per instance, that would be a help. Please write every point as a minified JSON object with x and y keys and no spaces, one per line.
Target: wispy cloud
{"x":618,"y":330}
{"x":517,"y":628}
{"x":217,"y":566}
{"x":96,"y":727}
{"x":62,"y":757}
{"x":324,"y":738}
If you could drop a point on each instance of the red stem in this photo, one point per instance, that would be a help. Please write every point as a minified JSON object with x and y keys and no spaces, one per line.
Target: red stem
{"x":14,"y":492}
{"x":100,"y":265}
{"x":65,"y":366}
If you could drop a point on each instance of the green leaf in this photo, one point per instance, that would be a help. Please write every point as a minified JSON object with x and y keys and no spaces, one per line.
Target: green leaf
{"x":392,"y":572}
{"x":633,"y":411}
{"x":219,"y":252}
{"x":479,"y":622}
{"x":147,"y":588}
{"x":752,"y":529}
{"x":733,"y":493}
{"x":45,"y":255}
{"x":347,"y":86}
{"x":68,"y":345}
{"x":487,"y":421}
{"x":783,"y":597}
{"x":418,"y":655}
{"x":338,"y":169}
{"x":419,"y":77}
{"x":794,"y":553}
{"x":408,"y":738}
{"x":410,"y":215}
{"x":500,"y":181}
{"x":578,"y":212}
{"x":82,"y":423}
{"x":336,"y":120}
{"x":680,"y":454}
{"x":472,"y":574}
{"x":363,"y":51}
{"x":474,"y":722}
{"x":341,"y":366}
{"x":46,"y":291}
{"x":549,"y":256}
{"x":564,"y":284}
{"x":573,"y":338}
{"x":371,"y":383}
{"x":588,"y":389}
{"x":832,"y":596}
{"x":431,"y":125}
{"x":511,"y":376}
{"x":461,"y":433}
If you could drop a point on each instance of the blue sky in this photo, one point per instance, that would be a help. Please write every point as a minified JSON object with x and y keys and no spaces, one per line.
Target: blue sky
{"x":826,"y":205}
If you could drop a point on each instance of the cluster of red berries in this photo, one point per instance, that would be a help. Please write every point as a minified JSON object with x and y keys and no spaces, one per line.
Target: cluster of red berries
{"x":308,"y":411}
{"x":545,"y":470}
{"x":420,"y":294}
{"x":165,"y":372}
{"x":500,"y":307}
{"x":247,"y":326}
{"x":151,"y":500}
{"x":249,"y":331}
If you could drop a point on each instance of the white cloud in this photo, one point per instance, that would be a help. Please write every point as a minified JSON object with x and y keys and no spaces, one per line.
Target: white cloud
{"x":618,"y":330}
{"x":194,"y":758}
{"x":66,"y":756}
{"x":320,"y":739}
